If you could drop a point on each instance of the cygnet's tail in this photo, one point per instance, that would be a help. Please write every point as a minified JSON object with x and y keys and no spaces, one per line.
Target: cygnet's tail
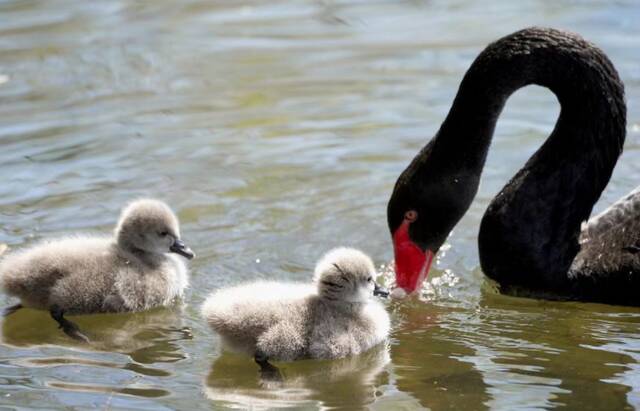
{"x":11,"y":273}
{"x":27,"y":273}
{"x":3,"y":248}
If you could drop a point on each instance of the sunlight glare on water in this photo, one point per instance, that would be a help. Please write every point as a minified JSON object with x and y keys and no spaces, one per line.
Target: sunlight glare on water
{"x":276,"y":131}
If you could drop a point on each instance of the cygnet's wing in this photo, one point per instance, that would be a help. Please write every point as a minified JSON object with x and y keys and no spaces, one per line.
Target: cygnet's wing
{"x":245,"y":311}
{"x":62,"y":271}
{"x":45,"y":263}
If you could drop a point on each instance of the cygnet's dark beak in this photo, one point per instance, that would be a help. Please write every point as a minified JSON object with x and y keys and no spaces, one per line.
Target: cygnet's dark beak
{"x":179,"y":247}
{"x":380,"y":291}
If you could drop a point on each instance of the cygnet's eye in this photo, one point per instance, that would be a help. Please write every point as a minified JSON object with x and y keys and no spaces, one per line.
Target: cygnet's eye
{"x":369,"y":279}
{"x":163,"y":233}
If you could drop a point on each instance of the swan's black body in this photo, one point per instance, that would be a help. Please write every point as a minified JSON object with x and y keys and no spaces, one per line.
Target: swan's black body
{"x":530,"y":236}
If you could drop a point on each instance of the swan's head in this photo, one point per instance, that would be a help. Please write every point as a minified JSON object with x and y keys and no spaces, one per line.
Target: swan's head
{"x":428,"y":200}
{"x":346,"y":274}
{"x":150,"y":226}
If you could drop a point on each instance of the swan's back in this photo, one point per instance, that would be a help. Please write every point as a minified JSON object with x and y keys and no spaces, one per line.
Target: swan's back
{"x":623,"y":216}
{"x":608,"y":263}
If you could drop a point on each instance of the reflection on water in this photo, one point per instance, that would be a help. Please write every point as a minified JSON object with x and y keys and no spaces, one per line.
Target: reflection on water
{"x":145,"y":339}
{"x":510,"y":353}
{"x":616,"y":336}
{"x":276,"y":131}
{"x":147,"y":336}
{"x":350,"y":382}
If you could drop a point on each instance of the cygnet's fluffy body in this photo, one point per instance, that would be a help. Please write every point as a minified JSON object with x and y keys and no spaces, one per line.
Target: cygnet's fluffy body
{"x":285,"y":322}
{"x":83,"y":275}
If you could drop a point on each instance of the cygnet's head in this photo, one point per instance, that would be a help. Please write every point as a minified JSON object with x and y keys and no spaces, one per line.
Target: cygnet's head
{"x":347,"y":274}
{"x":150,"y":226}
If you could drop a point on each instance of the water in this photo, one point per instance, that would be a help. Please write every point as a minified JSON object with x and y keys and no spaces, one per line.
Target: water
{"x":276,"y":130}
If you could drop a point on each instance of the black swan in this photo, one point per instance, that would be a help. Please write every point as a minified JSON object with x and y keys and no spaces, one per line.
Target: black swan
{"x":534,"y":238}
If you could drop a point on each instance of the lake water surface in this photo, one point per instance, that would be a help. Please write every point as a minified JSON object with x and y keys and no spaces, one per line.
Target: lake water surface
{"x":276,"y":130}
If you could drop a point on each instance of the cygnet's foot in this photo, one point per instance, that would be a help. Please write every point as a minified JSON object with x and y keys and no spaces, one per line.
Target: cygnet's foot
{"x":69,"y":328}
{"x":10,"y":310}
{"x":268,"y":371}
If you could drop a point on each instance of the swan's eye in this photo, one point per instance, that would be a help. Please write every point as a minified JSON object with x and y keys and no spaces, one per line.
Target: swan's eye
{"x":163,"y":233}
{"x":369,"y":279}
{"x":411,"y":216}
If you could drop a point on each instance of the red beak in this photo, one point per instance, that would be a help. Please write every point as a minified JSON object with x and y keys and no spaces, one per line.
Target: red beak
{"x":412,"y":264}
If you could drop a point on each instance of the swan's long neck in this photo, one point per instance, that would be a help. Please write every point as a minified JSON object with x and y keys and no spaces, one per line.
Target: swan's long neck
{"x":579,"y":74}
{"x":529,"y":232}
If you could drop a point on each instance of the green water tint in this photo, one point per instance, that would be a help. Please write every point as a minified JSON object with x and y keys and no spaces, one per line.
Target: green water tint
{"x":276,"y":131}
